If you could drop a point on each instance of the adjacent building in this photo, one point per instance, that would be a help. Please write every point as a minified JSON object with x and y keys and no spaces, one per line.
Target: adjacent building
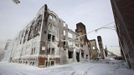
{"x":83,"y":40}
{"x":100,"y":43}
{"x":94,"y":52}
{"x":123,"y":11}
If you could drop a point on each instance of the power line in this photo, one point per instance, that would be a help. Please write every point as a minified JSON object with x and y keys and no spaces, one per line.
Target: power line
{"x":108,"y":24}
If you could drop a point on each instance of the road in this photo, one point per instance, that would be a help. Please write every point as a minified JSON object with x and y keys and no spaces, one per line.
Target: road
{"x":102,"y":67}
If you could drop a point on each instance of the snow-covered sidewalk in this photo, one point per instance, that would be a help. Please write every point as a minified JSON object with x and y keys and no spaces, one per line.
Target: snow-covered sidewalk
{"x":86,"y":68}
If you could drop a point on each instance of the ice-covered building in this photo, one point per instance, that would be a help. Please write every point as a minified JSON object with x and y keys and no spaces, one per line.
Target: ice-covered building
{"x":48,"y":41}
{"x":8,"y":50}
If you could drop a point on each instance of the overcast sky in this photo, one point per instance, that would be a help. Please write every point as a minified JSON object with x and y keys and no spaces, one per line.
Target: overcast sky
{"x":93,"y":13}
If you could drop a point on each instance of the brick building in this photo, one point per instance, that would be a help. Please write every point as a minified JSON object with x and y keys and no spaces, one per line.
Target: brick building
{"x":123,"y":11}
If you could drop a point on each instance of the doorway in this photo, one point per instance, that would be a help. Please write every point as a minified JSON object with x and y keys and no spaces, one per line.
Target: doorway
{"x":77,"y":56}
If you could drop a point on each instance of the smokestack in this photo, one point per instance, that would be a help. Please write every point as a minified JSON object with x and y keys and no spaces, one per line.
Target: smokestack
{"x":102,"y":54}
{"x":46,"y":7}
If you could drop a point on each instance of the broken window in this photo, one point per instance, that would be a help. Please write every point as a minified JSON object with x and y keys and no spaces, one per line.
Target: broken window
{"x":33,"y":63}
{"x":86,"y":56}
{"x":70,"y":54}
{"x":26,"y":62}
{"x":53,"y":51}
{"x":39,"y":17}
{"x":25,"y":36}
{"x":32,"y":51}
{"x":48,"y":51}
{"x":53,"y":38}
{"x":49,"y":37}
{"x":39,"y":20}
{"x":22,"y":36}
{"x":37,"y":30}
{"x":47,"y":63}
{"x":77,"y":45}
{"x":82,"y":53}
{"x":37,"y":25}
{"x":30,"y":34}
{"x":52,"y":62}
{"x":20,"y":40}
{"x":64,"y":43}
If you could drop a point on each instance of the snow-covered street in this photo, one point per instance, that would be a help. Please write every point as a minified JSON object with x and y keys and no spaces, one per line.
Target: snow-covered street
{"x":85,"y":68}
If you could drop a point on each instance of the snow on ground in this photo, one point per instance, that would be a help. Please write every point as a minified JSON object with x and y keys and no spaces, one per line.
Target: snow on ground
{"x":102,"y":67}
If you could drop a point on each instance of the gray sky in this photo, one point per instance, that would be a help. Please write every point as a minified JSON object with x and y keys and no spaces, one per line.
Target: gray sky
{"x":93,"y":13}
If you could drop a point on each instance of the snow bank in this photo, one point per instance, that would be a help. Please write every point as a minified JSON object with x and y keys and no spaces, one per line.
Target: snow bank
{"x":103,"y":67}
